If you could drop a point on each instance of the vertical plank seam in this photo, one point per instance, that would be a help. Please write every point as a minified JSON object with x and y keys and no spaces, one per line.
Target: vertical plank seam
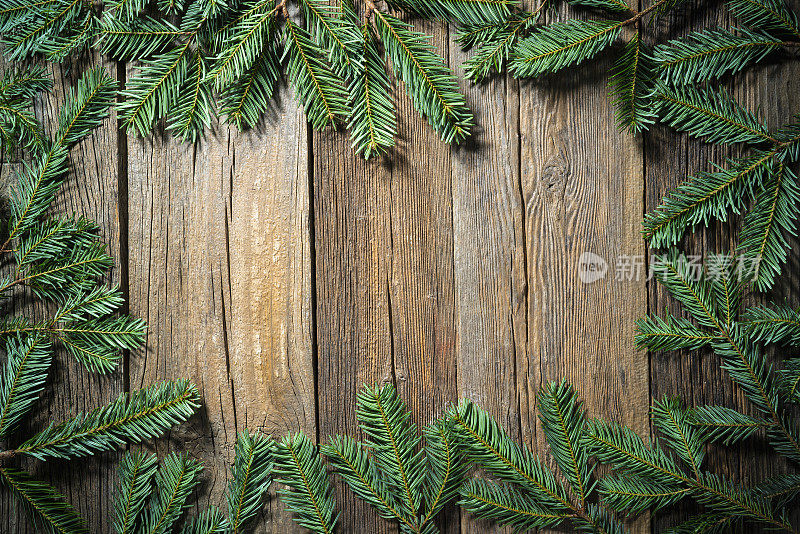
{"x":122,"y":215}
{"x":312,"y":247}
{"x":524,"y":237}
{"x":227,"y":274}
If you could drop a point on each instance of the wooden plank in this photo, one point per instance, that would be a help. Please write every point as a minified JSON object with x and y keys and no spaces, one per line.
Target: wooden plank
{"x":490,"y":256}
{"x":92,"y":191}
{"x":695,"y":376}
{"x":384,"y":279}
{"x":220,"y":267}
{"x":582,"y":193}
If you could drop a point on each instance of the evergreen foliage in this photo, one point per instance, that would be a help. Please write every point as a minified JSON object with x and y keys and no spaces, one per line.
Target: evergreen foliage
{"x":308,"y":493}
{"x":202,"y":58}
{"x":152,"y":498}
{"x":407,"y":479}
{"x":59,"y":261}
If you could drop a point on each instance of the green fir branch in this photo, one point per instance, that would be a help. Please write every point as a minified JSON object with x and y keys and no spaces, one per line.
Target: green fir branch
{"x":308,"y":494}
{"x":44,"y":505}
{"x":430,"y":84}
{"x":563,"y":44}
{"x":136,"y":472}
{"x":131,"y":418}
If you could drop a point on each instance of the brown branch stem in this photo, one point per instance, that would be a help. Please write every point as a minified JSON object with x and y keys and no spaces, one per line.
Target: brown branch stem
{"x":634,"y":19}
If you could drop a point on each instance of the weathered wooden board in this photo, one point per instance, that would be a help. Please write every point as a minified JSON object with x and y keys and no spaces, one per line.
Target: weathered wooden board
{"x":490,"y":256}
{"x":582,"y":191}
{"x":773,"y":90}
{"x":91,"y":191}
{"x":384,"y":279}
{"x":220,"y":267}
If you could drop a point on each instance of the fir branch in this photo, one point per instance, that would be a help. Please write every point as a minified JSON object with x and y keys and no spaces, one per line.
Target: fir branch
{"x":711,"y":115}
{"x":552,"y":48}
{"x":318,"y":88}
{"x":782,"y":489}
{"x":772,"y":324}
{"x":28,"y":360}
{"x":613,"y":6}
{"x":790,"y":380}
{"x":507,"y":506}
{"x":308,"y":494}
{"x":631,"y":82}
{"x":334,"y":32}
{"x":255,"y":31}
{"x":446,"y":468}
{"x":74,"y":39}
{"x":126,"y":10}
{"x":669,"y":333}
{"x":130,"y":40}
{"x":98,"y":343}
{"x":136,"y":472}
{"x":131,"y":418}
{"x":251,"y":478}
{"x":727,"y":276}
{"x":394,"y":441}
{"x":486,"y":444}
{"x":710,"y":54}
{"x":210,"y":521}
{"x":351,"y":461}
{"x":194,"y":107}
{"x":430,"y":84}
{"x":726,"y":497}
{"x":35,"y":190}
{"x":247,"y":99}
{"x":373,"y":125}
{"x":563,"y":421}
{"x":768,"y":224}
{"x":494,"y":43}
{"x":685,"y":283}
{"x":174,"y":482}
{"x":672,"y":419}
{"x":628,"y":453}
{"x":706,"y":196}
{"x":18,"y":127}
{"x":462,"y":12}
{"x":634,"y":494}
{"x":766,"y":15}
{"x":155,"y":89}
{"x":86,"y":107}
{"x":718,"y":423}
{"x":42,"y":23}
{"x":78,"y":270}
{"x":46,"y":507}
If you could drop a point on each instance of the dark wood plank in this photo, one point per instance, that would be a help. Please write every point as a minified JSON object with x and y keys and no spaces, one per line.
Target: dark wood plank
{"x":489,"y":254}
{"x":220,"y":265}
{"x":582,"y":193}
{"x":670,"y":157}
{"x":92,"y":191}
{"x":384,"y":279}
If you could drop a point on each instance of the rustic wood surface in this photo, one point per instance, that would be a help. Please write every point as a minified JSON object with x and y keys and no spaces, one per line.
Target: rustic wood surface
{"x":280,"y":271}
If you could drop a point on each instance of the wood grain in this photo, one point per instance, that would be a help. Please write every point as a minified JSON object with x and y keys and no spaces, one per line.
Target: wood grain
{"x":91,"y":190}
{"x":696,"y":376}
{"x":582,"y":192}
{"x":384,"y":279}
{"x":281,"y":272}
{"x":489,"y":255}
{"x":220,"y":268}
